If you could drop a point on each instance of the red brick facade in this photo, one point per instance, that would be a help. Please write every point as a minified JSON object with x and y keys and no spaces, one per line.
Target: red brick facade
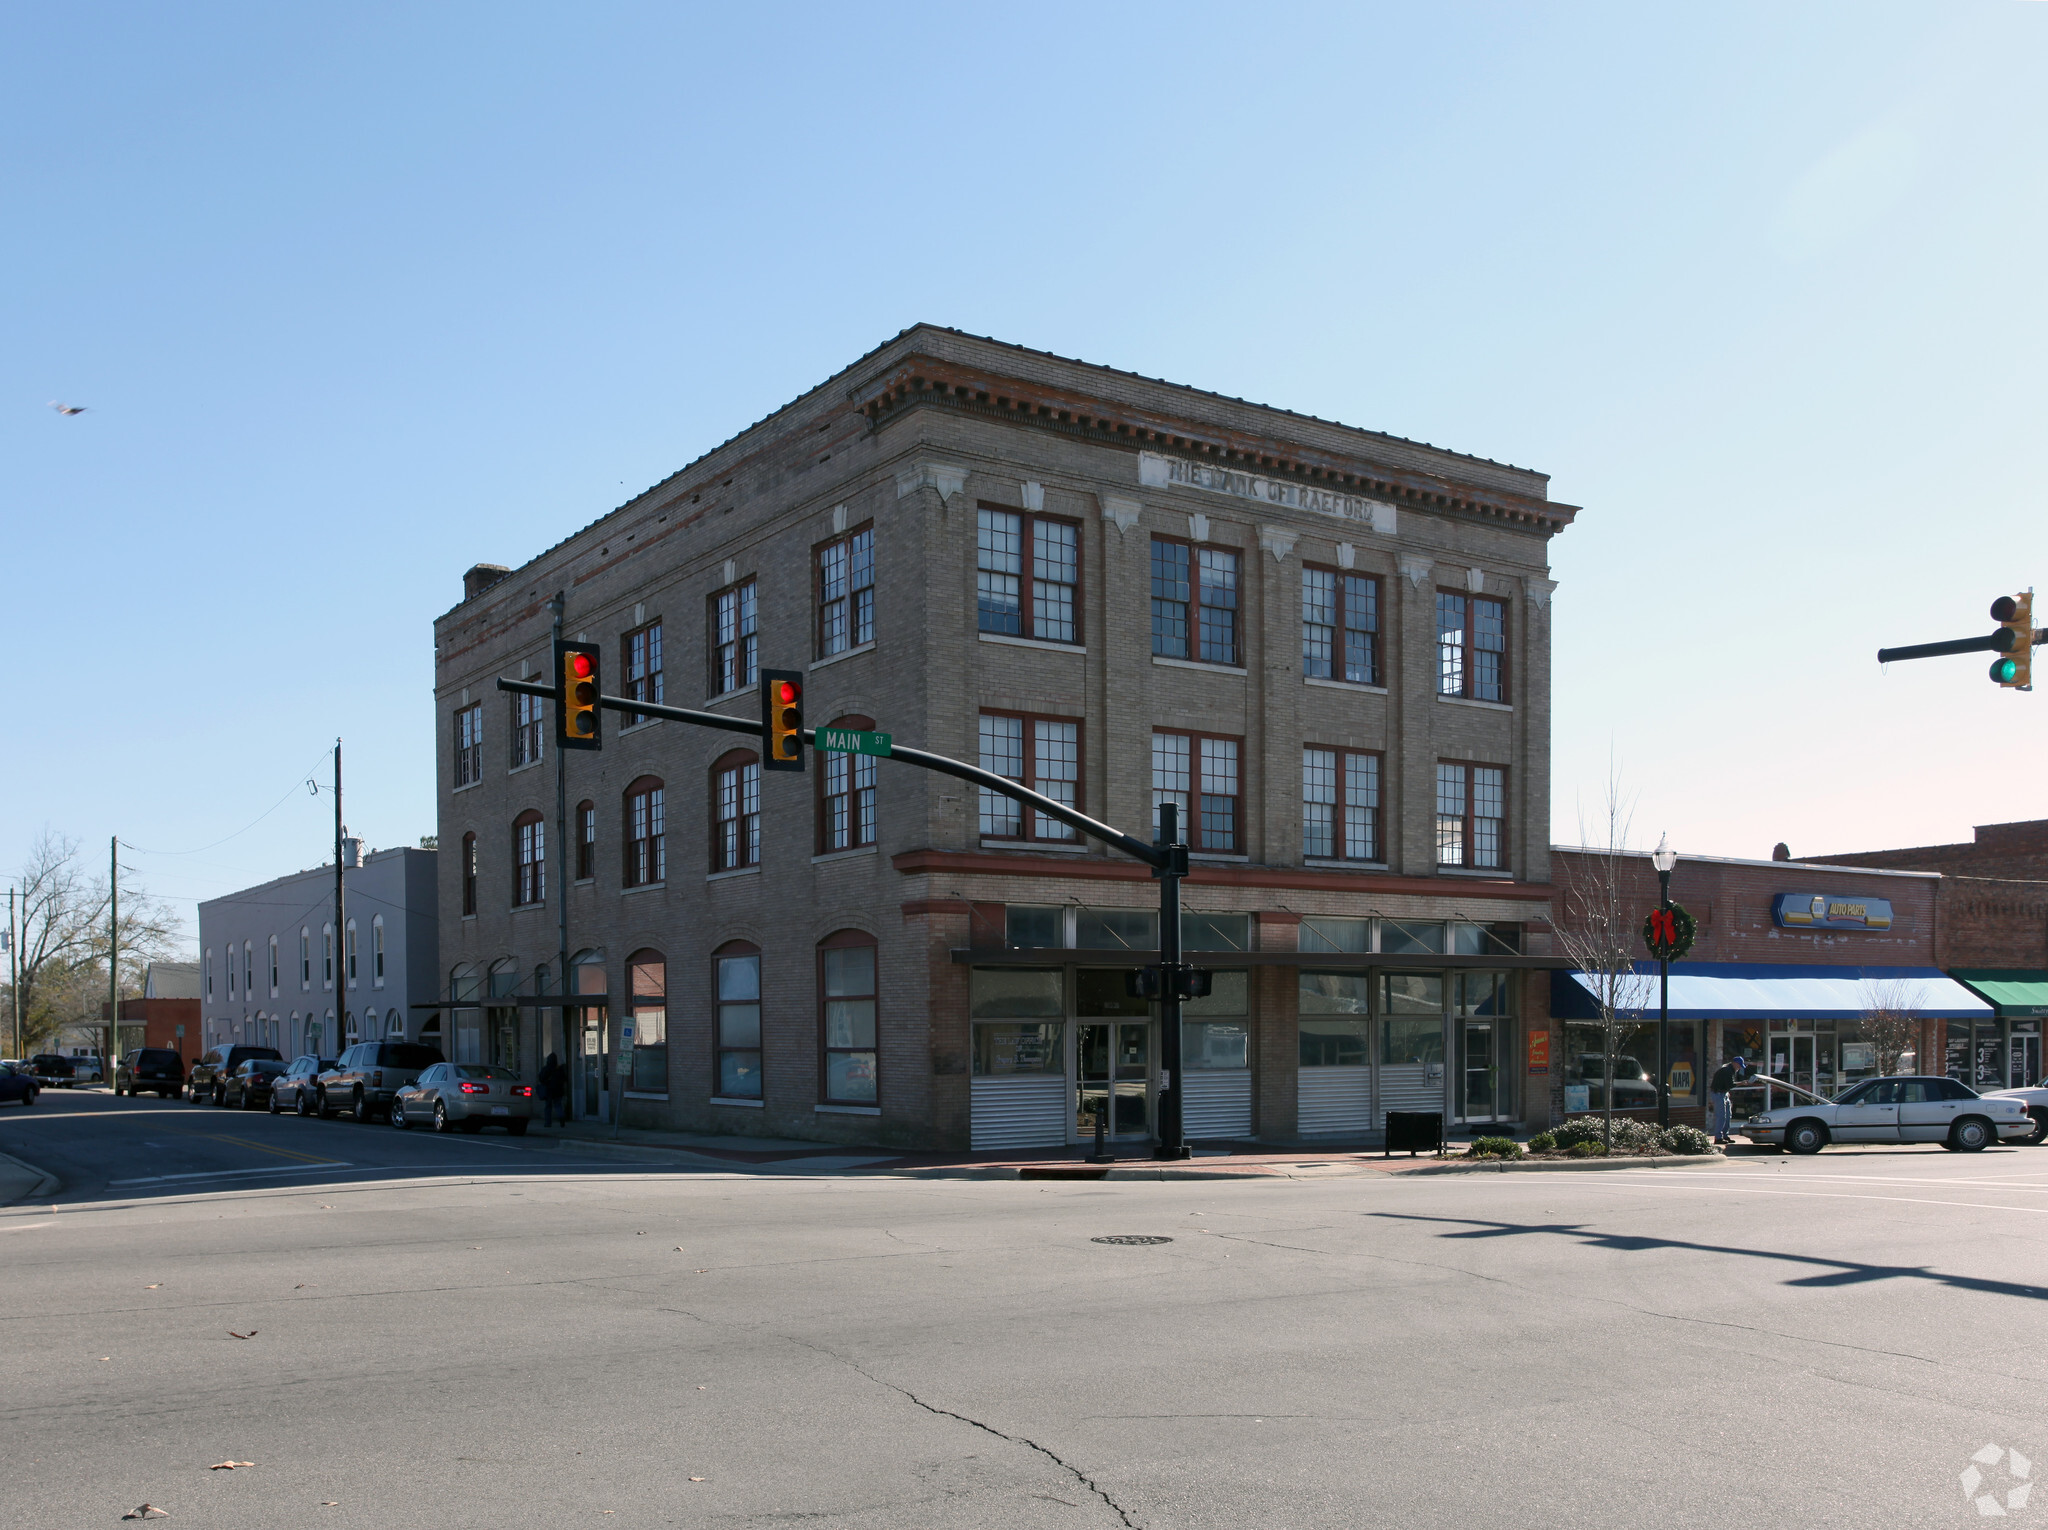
{"x":1993,"y":900}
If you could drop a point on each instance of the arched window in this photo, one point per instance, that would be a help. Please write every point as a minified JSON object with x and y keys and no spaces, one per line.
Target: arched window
{"x":248,"y":968}
{"x":529,"y":859}
{"x":377,"y":950}
{"x":846,"y":795}
{"x":394,"y":1024}
{"x":847,"y":1016}
{"x":326,"y":956}
{"x":349,"y":952}
{"x":586,"y":841}
{"x":736,"y":977}
{"x":646,"y":833}
{"x":647,"y":1010}
{"x":736,"y":811}
{"x":348,"y":1028}
{"x":468,"y":875}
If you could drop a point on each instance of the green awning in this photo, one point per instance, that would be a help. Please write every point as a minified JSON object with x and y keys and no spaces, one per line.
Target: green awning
{"x":2015,"y":992}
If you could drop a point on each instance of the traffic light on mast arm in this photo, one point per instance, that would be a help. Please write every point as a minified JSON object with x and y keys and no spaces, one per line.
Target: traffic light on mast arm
{"x":2014,"y":666}
{"x":782,"y":719}
{"x":577,"y":687}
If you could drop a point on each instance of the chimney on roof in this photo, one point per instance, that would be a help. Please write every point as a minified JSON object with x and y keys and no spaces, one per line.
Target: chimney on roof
{"x":481,"y":577}
{"x":1780,"y":852}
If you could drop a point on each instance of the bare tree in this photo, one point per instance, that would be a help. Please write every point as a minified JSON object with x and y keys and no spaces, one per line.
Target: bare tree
{"x":1598,"y":927}
{"x":61,"y":923}
{"x":1891,"y":1019}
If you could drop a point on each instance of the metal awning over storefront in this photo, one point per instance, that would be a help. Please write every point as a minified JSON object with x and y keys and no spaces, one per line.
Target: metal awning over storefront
{"x":1757,"y":991}
{"x":1322,"y":961}
{"x":2016,"y":993}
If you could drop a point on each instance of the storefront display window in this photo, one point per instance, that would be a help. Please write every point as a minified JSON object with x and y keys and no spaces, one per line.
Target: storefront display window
{"x":1336,"y":935}
{"x":1412,"y":993}
{"x":1009,"y":1050}
{"x":1485,"y":995}
{"x":1334,"y":1010}
{"x":1406,"y":1041}
{"x":1017,"y":993}
{"x":1214,"y":1032}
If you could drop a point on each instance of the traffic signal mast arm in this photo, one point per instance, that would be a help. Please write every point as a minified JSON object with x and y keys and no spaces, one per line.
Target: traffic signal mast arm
{"x":1152,"y":855}
{"x":1991,"y":642}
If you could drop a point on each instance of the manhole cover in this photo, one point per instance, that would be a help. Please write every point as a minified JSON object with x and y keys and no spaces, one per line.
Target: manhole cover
{"x":1131,"y":1239}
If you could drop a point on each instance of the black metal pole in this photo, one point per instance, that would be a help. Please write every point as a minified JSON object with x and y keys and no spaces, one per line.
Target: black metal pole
{"x":540,"y":1024}
{"x":1664,"y":1013}
{"x":1172,"y":1142}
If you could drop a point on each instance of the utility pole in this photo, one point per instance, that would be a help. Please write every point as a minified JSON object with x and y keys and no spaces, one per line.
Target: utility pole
{"x":339,"y":947}
{"x":113,"y":959}
{"x":572,"y":1058}
{"x":13,"y":972}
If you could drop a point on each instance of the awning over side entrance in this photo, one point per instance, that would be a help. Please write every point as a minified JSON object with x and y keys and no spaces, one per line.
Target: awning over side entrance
{"x":1755,"y":990}
{"x":2015,"y":992}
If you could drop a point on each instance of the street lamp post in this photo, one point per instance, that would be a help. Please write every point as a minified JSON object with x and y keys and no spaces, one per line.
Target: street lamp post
{"x":1663,"y":858}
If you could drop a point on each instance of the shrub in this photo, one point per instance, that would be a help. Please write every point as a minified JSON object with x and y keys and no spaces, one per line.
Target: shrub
{"x":1494,"y":1147}
{"x":1589,"y":1149}
{"x":1542,"y":1142}
{"x":1630,"y":1136}
{"x":1688,"y":1140}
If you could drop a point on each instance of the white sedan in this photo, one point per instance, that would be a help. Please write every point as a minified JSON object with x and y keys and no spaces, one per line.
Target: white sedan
{"x":1895,"y":1110}
{"x":2036,"y":1101}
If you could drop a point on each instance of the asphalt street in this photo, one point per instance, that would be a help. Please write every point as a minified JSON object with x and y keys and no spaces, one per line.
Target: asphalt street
{"x":474,"y":1333}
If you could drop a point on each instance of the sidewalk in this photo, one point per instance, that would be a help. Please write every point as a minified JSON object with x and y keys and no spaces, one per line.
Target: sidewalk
{"x":782,"y":1156}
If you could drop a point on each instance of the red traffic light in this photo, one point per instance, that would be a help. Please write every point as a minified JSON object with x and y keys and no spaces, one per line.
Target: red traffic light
{"x":785,"y":692}
{"x":579,"y":665}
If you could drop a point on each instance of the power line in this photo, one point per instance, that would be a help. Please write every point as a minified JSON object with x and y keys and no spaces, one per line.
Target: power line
{"x":140,"y":850}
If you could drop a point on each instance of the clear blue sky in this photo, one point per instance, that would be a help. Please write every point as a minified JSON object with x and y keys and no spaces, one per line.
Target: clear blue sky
{"x":360,"y":295}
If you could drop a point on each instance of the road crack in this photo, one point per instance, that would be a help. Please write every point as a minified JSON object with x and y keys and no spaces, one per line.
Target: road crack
{"x":1061,"y":1462}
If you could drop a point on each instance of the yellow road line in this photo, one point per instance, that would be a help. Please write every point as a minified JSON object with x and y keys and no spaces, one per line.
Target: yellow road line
{"x":261,"y":1147}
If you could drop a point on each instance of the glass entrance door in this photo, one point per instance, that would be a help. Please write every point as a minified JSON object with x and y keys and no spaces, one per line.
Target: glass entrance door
{"x":1113,"y":1078}
{"x":593,"y":1066}
{"x":2026,"y":1058}
{"x":1479,"y":1062}
{"x":1792,"y":1058}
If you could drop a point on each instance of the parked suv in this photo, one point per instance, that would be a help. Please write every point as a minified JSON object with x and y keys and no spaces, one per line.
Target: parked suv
{"x":53,"y":1071}
{"x":370,"y":1075}
{"x":209,"y":1078}
{"x":157,"y":1069}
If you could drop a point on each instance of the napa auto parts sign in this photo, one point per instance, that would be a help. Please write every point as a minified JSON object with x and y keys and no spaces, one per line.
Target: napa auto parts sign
{"x":1824,"y":911}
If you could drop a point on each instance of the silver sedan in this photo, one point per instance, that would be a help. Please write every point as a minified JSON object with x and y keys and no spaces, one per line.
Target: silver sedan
{"x":466,"y":1095}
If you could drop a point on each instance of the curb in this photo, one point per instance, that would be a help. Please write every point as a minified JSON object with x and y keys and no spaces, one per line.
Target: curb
{"x":41,"y":1182}
{"x":1585,"y":1166}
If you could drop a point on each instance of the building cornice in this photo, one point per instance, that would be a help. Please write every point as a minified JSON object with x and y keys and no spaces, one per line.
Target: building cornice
{"x":1278,"y":878}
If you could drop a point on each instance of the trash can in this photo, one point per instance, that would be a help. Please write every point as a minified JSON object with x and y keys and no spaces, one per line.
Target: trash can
{"x":1411,"y":1131}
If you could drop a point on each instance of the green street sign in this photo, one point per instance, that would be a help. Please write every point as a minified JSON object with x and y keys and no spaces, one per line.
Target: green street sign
{"x":852,"y":741}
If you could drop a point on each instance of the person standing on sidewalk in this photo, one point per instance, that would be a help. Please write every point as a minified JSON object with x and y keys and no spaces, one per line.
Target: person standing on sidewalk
{"x":554,"y":1090}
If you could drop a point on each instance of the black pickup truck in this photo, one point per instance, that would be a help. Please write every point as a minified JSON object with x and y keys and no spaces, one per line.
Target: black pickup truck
{"x":52,"y":1071}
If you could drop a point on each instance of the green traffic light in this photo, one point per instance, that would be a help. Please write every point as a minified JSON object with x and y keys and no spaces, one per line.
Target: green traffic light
{"x":2004,"y":670}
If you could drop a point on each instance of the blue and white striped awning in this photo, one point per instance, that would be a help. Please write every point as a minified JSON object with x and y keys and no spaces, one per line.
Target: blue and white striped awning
{"x":1761,"y":991}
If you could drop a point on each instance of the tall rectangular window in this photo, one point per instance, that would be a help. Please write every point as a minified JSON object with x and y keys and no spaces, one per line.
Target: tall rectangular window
{"x":849,"y":1024}
{"x":376,"y":952}
{"x":1471,"y":816}
{"x":735,"y":639}
{"x":1198,"y":772}
{"x":1340,"y":626}
{"x":1194,"y":602}
{"x":469,"y":744}
{"x":847,"y":814}
{"x":586,"y":840}
{"x":1041,"y":753}
{"x":529,"y":877}
{"x":468,"y":874}
{"x":1027,"y":576}
{"x":528,"y":718}
{"x":736,"y":816}
{"x":646,"y":837}
{"x":641,"y":651}
{"x":1340,"y":804}
{"x":273,"y":967}
{"x":846,"y":593}
{"x":1471,"y":647}
{"x":739,"y":1026}
{"x":306,"y":955}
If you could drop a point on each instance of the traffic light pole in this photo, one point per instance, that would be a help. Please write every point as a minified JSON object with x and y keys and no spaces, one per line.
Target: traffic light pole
{"x":1168,"y":859}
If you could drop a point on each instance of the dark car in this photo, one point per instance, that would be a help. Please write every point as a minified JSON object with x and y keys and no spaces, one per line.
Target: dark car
{"x":52,"y":1071}
{"x":369,"y":1075}
{"x":249,"y":1085}
{"x":298,"y":1087}
{"x":156,"y":1069}
{"x":209,"y":1076}
{"x":17,"y":1083}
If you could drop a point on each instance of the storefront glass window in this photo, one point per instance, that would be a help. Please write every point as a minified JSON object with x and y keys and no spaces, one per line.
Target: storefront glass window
{"x":1032,"y":927}
{"x":1014,"y":1050}
{"x":1216,"y":932}
{"x":1333,"y":1008}
{"x":1214,"y":1032}
{"x":1017,"y":993}
{"x":1400,"y":939}
{"x":1116,"y":929}
{"x":1486,"y":939}
{"x":1336,"y":935}
{"x":1408,"y":1040}
{"x":1635,"y":1061}
{"x":1099,"y":995}
{"x":1412,"y":993}
{"x":1485,"y":995}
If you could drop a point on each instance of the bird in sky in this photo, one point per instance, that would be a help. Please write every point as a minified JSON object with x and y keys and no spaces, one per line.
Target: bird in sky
{"x":67,"y":408}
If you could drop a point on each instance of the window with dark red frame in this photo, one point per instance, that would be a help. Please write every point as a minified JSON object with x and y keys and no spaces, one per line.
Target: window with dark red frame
{"x":1471,"y":646}
{"x":1340,"y":626}
{"x":849,"y":1018}
{"x":469,"y":744}
{"x":735,"y":638}
{"x":645,"y":837}
{"x":1201,"y":772}
{"x":1027,"y":577}
{"x":846,"y":794}
{"x":1340,"y":804}
{"x":1041,"y":753}
{"x":1194,"y":601}
{"x":640,"y":653}
{"x":846,"y":592}
{"x":1471,"y":815}
{"x":736,"y":1041}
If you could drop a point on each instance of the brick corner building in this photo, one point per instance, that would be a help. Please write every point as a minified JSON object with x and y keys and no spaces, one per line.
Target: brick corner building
{"x":1330,"y":647}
